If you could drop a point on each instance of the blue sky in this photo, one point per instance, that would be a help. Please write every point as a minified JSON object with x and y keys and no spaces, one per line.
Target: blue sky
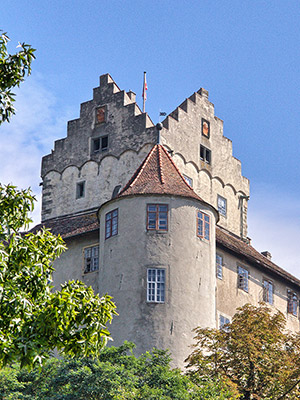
{"x":246,"y":53}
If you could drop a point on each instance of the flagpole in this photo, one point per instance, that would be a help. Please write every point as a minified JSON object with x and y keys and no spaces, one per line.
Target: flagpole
{"x":144,"y":93}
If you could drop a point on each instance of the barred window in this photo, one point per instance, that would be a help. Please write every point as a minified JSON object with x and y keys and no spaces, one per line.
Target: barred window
{"x":292,"y":305}
{"x":243,"y":278}
{"x":156,"y":285}
{"x":268,"y":291}
{"x":219,"y":266}
{"x":111,"y":224}
{"x":91,"y":259}
{"x":157,"y":217}
{"x":203,"y":225}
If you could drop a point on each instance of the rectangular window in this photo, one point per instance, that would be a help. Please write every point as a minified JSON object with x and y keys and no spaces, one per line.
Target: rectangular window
{"x":219,"y":266}
{"x":268,"y":291}
{"x":100,"y":144}
{"x":155,"y":285}
{"x":157,"y":217}
{"x":292,"y":305}
{"x":80,"y":190}
{"x":243,"y":278}
{"x":203,"y":225}
{"x":223,"y":322}
{"x":91,"y":259}
{"x":222,"y":205}
{"x":111,"y":224}
{"x":205,"y":154}
{"x":188,"y":180}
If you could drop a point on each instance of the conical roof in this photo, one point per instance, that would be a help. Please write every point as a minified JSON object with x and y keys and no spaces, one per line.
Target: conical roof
{"x":158,"y":175}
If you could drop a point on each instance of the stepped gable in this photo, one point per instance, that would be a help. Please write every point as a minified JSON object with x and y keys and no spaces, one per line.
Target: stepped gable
{"x":158,"y":175}
{"x":241,"y":248}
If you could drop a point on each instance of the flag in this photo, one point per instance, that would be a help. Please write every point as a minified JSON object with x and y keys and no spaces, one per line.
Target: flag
{"x":162,"y":114}
{"x":145,"y":88}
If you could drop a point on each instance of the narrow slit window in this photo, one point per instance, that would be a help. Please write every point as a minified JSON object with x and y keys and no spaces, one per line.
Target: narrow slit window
{"x":80,"y":190}
{"x":219,"y":266}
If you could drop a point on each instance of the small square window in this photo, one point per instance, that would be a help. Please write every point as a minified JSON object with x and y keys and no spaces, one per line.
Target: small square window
{"x":156,"y":285}
{"x":219,"y":266}
{"x":292,"y":305}
{"x":205,"y":154}
{"x":111,"y":224}
{"x":188,"y":180}
{"x":268,"y":291}
{"x":223,"y":323}
{"x":157,"y":217}
{"x":91,"y":259}
{"x":80,"y":190}
{"x":222,"y":205}
{"x":99,"y":144}
{"x":243,"y":278}
{"x":203,"y":225}
{"x":205,"y":128}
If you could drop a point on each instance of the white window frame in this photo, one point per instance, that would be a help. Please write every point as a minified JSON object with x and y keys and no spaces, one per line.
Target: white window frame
{"x":243,"y":278}
{"x":156,"y":285}
{"x":219,"y":266}
{"x":223,"y":320}
{"x":268,"y":291}
{"x":222,"y":208}
{"x":91,"y":261}
{"x":101,"y":148}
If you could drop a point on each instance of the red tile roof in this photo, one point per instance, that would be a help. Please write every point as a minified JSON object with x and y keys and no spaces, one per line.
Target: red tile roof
{"x":70,"y":226}
{"x":254,"y":257}
{"x":158,"y":175}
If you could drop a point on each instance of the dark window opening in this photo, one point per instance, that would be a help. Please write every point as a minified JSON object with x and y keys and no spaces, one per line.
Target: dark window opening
{"x":80,"y":190}
{"x":205,"y":154}
{"x":100,"y":144}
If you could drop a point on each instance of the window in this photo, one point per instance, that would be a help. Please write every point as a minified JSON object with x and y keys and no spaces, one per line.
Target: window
{"x":157,"y":217}
{"x":268,"y":291}
{"x":219,"y":266}
{"x":91,"y":259}
{"x":223,"y":322}
{"x":156,"y":285}
{"x":111,"y":224}
{"x":205,"y":128}
{"x":292,"y":306}
{"x":100,"y":144}
{"x":222,"y":205}
{"x":100,"y":114}
{"x":188,"y":180}
{"x":80,"y":190}
{"x":243,"y":277}
{"x":205,"y":154}
{"x":203,"y":225}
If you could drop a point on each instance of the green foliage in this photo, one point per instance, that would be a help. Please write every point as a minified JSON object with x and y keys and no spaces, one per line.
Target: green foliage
{"x":255,"y":353}
{"x":13,"y":69}
{"x":116,"y":375}
{"x":34,"y":319}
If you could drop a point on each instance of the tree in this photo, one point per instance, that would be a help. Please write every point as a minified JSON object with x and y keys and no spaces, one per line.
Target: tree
{"x":13,"y":69}
{"x":34,"y":319}
{"x":116,"y":375}
{"x":254,"y":352}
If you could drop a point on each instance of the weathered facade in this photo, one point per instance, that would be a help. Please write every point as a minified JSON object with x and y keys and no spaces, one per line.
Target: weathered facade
{"x":161,"y":227}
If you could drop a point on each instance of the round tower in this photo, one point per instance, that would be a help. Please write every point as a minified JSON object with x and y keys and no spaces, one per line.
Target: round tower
{"x":157,"y":252}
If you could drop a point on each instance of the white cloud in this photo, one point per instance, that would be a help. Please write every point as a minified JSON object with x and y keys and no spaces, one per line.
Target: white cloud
{"x":30,"y":135}
{"x":274,"y":225}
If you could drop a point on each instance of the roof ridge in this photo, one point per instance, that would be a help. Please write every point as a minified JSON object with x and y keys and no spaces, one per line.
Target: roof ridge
{"x":142,"y":167}
{"x":175,"y":166}
{"x":160,"y":163}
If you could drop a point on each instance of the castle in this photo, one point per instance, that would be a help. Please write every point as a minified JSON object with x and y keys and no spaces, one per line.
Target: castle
{"x":156,"y":216}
